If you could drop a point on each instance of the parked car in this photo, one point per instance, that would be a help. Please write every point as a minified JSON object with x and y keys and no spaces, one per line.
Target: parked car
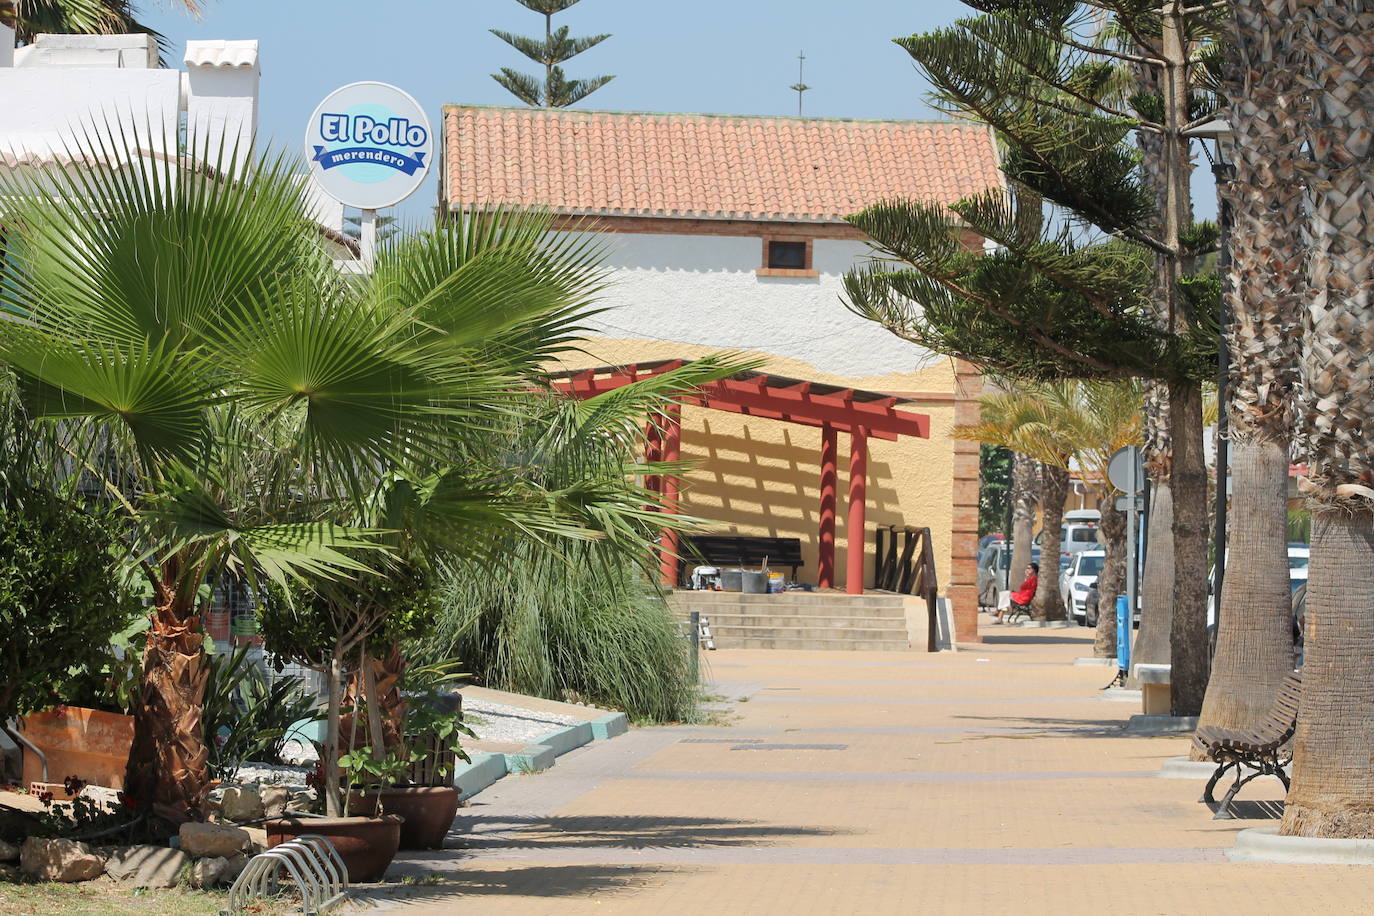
{"x":1298,"y":557}
{"x":992,"y":572}
{"x":1082,"y":571}
{"x":1077,"y":533}
{"x":1092,"y":607}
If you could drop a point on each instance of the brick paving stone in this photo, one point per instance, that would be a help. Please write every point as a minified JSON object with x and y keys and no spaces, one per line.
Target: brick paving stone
{"x":992,"y":780}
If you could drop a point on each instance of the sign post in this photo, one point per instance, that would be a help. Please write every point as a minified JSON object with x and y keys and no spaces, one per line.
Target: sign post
{"x":368,"y":145}
{"x":1126,"y":472}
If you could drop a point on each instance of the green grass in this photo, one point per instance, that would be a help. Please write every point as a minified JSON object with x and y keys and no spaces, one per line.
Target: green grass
{"x":104,"y":898}
{"x":582,"y":626}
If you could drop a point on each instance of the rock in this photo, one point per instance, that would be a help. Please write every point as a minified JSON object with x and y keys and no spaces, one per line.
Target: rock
{"x":147,"y":866}
{"x":301,"y":801}
{"x":59,"y":860}
{"x":10,"y":873}
{"x":257,"y":839}
{"x":8,"y":852}
{"x":274,"y":800}
{"x":241,"y":803}
{"x":208,"y":873}
{"x":233,"y":868}
{"x":201,"y":840}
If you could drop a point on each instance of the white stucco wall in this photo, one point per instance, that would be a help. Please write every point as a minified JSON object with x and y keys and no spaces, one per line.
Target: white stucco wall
{"x":703,"y":290}
{"x":45,"y":109}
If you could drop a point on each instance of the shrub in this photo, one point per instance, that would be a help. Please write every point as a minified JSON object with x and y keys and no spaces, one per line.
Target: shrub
{"x":60,"y":597}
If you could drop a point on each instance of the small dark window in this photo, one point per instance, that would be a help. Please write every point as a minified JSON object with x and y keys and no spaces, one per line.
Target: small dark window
{"x":787,"y":255}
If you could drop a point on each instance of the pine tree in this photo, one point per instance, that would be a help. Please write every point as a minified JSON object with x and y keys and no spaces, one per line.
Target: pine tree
{"x":556,"y":91}
{"x":1095,"y":274}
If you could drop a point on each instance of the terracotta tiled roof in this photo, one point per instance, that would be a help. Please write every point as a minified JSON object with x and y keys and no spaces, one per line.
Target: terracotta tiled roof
{"x":706,"y":166}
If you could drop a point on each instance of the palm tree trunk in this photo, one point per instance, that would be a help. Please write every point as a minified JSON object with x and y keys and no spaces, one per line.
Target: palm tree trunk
{"x":1333,"y":767}
{"x":1049,"y":604}
{"x":1332,"y":794}
{"x":333,"y":796}
{"x":1025,"y":493}
{"x":1189,"y":654}
{"x":1254,"y":649}
{"x":1254,"y":645}
{"x":167,"y":775}
{"x":1112,"y":577}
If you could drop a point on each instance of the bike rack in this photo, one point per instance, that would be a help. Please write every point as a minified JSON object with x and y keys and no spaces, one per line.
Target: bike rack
{"x":310,"y":861}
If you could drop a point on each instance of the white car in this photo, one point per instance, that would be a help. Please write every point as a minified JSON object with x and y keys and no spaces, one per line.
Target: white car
{"x":1298,"y":558}
{"x":1082,"y":571}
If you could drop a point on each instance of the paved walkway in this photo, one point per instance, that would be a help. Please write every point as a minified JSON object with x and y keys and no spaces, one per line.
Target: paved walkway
{"x":992,"y":780}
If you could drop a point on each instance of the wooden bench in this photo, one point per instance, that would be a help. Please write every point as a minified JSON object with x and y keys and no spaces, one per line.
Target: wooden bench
{"x":1266,"y":748}
{"x":743,"y":551}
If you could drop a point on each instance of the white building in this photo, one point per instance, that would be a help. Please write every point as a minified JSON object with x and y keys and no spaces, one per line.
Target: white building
{"x":62,"y":88}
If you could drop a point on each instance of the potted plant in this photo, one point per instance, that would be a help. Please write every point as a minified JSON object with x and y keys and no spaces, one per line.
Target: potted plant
{"x":414,"y":779}
{"x":327,"y":627}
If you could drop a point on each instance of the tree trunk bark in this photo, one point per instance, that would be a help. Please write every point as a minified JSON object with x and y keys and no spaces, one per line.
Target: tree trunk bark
{"x":1156,"y":587}
{"x":1049,"y":604}
{"x":1333,"y":769}
{"x":1111,"y":581}
{"x":333,"y":801}
{"x":1254,"y":647}
{"x":166,"y":775}
{"x":1025,"y":484}
{"x":1189,"y":653}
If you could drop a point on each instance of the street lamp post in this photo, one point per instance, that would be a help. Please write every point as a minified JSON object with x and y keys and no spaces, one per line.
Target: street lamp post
{"x":1219,"y":131}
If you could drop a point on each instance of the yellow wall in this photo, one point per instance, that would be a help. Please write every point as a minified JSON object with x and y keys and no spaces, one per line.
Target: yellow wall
{"x":759,"y":476}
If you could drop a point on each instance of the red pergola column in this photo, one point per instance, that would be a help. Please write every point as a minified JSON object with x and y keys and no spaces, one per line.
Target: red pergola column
{"x":858,"y":494}
{"x":672,"y":451}
{"x":653,"y":452}
{"x":825,"y":575}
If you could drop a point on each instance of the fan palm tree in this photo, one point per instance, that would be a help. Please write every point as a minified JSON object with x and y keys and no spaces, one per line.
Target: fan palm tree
{"x":30,"y":18}
{"x":241,"y":402}
{"x":1254,"y":644}
{"x":1332,"y":793}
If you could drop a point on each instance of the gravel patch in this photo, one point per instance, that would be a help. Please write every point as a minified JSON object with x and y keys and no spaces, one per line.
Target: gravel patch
{"x":271,"y":774}
{"x":514,"y":724}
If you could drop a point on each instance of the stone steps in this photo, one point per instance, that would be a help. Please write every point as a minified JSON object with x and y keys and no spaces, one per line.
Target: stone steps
{"x":833,"y":645}
{"x":799,"y":620}
{"x":851,"y":634}
{"x":807,"y":622}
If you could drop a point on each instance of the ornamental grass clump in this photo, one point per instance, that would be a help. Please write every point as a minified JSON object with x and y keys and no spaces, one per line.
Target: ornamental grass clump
{"x":580,"y":624}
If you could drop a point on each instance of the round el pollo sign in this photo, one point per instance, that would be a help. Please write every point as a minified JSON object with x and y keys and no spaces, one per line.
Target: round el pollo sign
{"x":368,"y":145}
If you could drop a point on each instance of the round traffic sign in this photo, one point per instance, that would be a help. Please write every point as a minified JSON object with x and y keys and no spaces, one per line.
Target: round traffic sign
{"x":1126,"y":470}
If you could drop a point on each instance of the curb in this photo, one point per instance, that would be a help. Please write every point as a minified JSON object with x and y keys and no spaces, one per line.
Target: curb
{"x":1120,"y":695}
{"x":1263,"y":844}
{"x":1161,"y":725}
{"x":1182,"y":768}
{"x":485,"y":769}
{"x":611,"y":725}
{"x":1094,"y":662}
{"x":538,"y":755}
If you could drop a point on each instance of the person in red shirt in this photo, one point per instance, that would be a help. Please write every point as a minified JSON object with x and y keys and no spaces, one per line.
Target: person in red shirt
{"x":1022,"y":597}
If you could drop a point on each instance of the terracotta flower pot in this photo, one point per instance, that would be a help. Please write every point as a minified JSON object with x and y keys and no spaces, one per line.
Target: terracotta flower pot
{"x":428,"y":811}
{"x":88,"y":743}
{"x":366,"y":844}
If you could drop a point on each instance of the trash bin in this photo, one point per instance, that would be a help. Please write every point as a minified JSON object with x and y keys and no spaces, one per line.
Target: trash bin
{"x":755,"y":583}
{"x":731,"y":580}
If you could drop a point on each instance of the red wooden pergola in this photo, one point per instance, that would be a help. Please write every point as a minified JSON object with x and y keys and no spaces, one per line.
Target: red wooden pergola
{"x":861,"y":414}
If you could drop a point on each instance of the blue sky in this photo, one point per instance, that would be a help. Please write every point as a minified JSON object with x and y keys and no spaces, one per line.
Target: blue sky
{"x":723,"y":56}
{"x":727,"y":56}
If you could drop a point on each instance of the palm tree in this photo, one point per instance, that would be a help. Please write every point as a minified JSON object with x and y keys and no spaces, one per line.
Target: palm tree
{"x":1332,"y":793}
{"x":1254,"y":645}
{"x":30,"y":18}
{"x":242,"y":403}
{"x":1027,"y":421}
{"x":1025,"y":494}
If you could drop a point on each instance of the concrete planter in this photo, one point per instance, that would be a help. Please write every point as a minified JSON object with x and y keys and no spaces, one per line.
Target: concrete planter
{"x":1263,"y":844}
{"x":87,"y":743}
